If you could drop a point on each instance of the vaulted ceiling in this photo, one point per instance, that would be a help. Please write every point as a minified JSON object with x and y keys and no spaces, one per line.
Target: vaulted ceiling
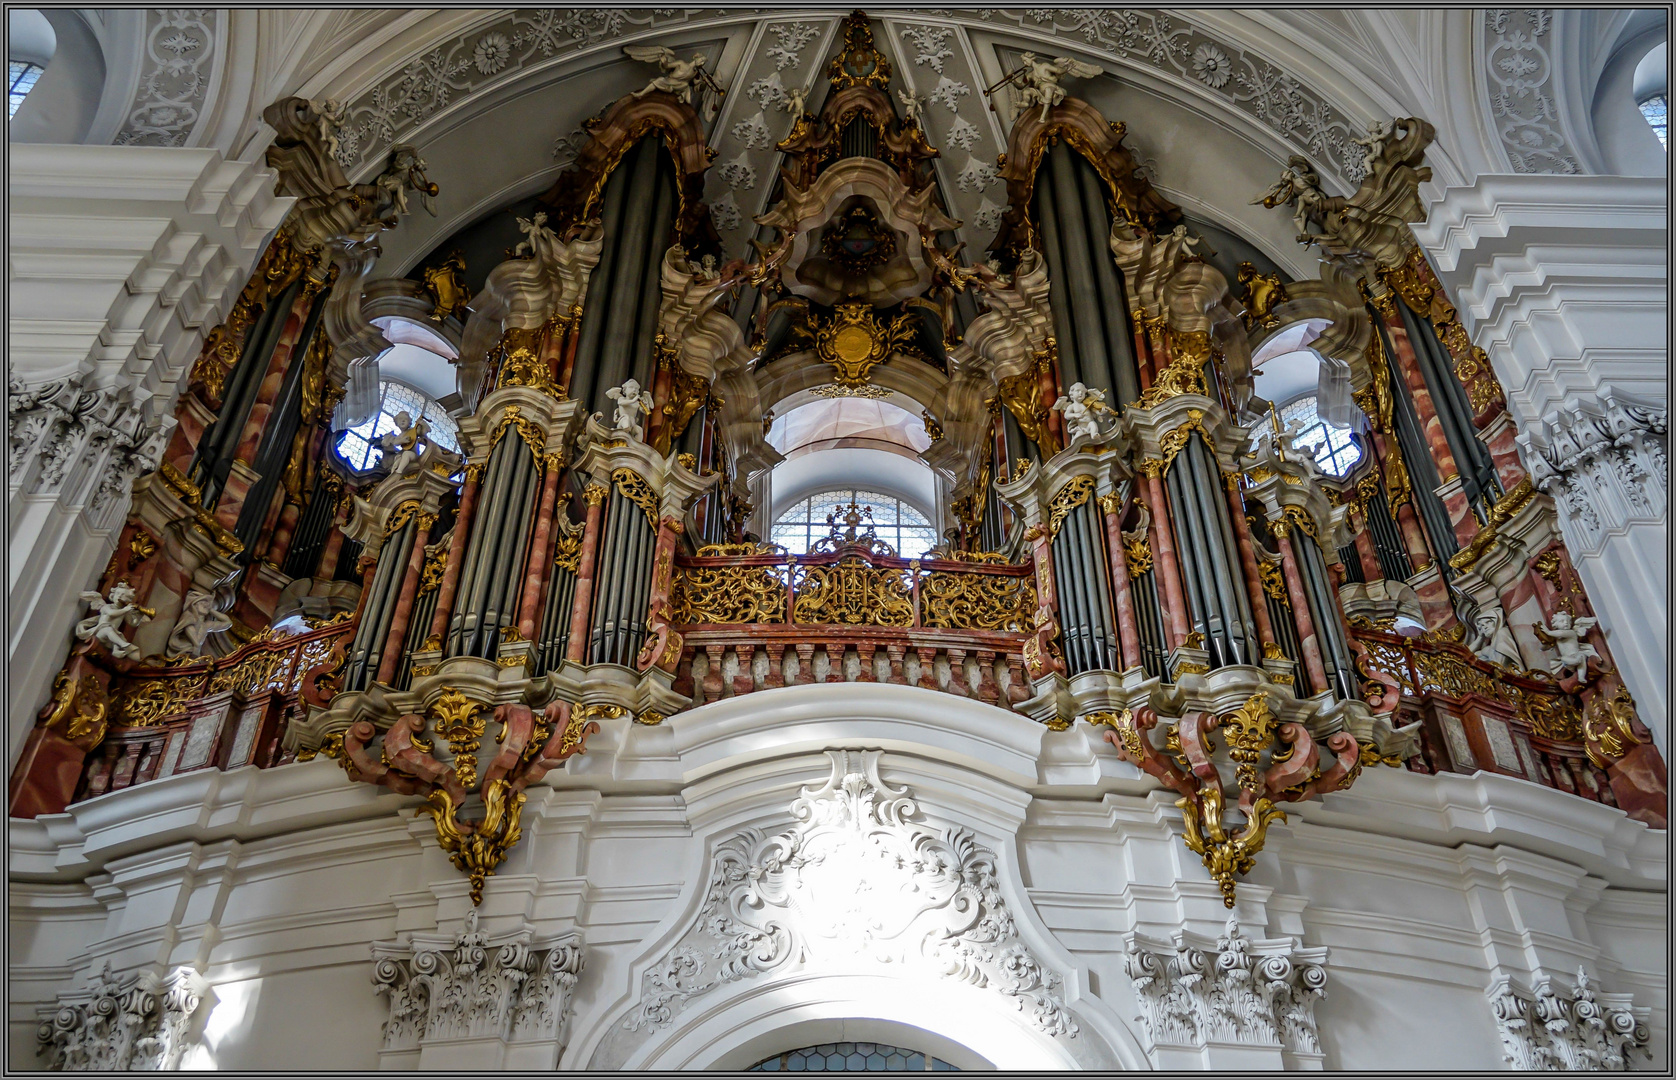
{"x":1214,"y":101}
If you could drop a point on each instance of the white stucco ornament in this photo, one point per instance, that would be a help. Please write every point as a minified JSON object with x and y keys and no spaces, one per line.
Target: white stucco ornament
{"x":139,"y":1022}
{"x":855,"y":885}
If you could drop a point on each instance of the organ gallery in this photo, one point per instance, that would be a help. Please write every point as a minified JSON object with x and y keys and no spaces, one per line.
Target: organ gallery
{"x":851,"y":547}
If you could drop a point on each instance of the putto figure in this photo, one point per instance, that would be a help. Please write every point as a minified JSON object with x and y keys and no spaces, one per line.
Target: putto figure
{"x":403,"y":444}
{"x":1301,"y":185}
{"x":1082,"y":407}
{"x":1566,"y":637}
{"x":632,"y":404}
{"x":109,"y":616}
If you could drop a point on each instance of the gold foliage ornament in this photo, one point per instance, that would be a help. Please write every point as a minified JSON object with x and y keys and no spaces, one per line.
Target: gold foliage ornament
{"x":1609,"y":727}
{"x":1225,"y":854}
{"x":977,"y":601}
{"x":79,"y":709}
{"x":633,"y":487}
{"x":1067,"y":499}
{"x":855,"y":342}
{"x":729,"y":595}
{"x":480,"y":850}
{"x":1185,"y":373}
{"x":855,"y":594}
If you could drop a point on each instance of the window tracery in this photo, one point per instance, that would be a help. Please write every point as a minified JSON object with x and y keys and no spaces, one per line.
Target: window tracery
{"x":896,"y":521}
{"x":358,"y":445}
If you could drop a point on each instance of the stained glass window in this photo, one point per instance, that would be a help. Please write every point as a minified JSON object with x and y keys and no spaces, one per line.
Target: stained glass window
{"x":1334,"y":449}
{"x":853,"y":1057}
{"x":897,"y":523}
{"x":23,"y":76}
{"x":358,"y":445}
{"x":1654,"y":109}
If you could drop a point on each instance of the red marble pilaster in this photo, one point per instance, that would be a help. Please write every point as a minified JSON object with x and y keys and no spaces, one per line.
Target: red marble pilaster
{"x":1248,"y":566}
{"x":1307,"y":641}
{"x":1366,"y":557}
{"x":576,"y":647}
{"x":231,"y":502}
{"x":451,"y":572}
{"x":397,"y":636}
{"x":540,"y":551}
{"x":1165,"y":569}
{"x":1129,"y":634}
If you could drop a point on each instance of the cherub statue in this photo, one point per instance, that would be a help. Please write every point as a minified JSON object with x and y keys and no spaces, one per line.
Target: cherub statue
{"x":911,"y":106}
{"x":1374,"y":142}
{"x":105,"y":624}
{"x":707,"y":268}
{"x":678,"y":76}
{"x":632,"y":404}
{"x":1299,"y":184}
{"x":1082,"y":407}
{"x":796,"y":101}
{"x":539,"y":240}
{"x":403,"y":443}
{"x":406,"y":170}
{"x":1037,"y":81}
{"x":1566,"y":637}
{"x":198,"y":620}
{"x":329,"y":115}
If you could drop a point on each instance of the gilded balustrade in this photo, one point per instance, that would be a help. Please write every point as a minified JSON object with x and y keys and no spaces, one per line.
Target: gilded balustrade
{"x":758,"y":585}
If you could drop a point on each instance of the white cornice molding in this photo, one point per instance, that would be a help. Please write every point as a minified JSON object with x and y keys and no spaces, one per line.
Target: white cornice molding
{"x":1595,"y":210}
{"x":701,"y":754}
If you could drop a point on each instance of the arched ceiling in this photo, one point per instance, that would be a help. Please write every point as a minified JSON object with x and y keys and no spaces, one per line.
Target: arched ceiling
{"x":1215,"y":100}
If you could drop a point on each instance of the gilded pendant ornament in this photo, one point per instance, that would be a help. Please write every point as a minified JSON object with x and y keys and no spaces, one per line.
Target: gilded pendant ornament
{"x":855,"y":342}
{"x":853,"y":593}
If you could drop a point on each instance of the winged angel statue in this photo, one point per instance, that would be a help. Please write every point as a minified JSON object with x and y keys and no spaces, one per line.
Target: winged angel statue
{"x":1299,"y":184}
{"x":1036,"y":81}
{"x":679,"y":76}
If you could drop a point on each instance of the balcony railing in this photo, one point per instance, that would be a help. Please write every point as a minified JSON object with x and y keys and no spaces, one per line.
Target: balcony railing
{"x":755,"y":617}
{"x":1476,"y":715}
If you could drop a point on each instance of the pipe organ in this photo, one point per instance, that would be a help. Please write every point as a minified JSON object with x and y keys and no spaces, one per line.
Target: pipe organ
{"x":1132,"y":539}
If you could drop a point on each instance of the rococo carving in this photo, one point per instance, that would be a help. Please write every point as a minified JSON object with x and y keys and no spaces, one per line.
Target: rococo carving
{"x":857,"y":876}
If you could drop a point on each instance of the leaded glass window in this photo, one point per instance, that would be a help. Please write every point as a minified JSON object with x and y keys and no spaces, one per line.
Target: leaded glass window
{"x":23,"y":76}
{"x":853,"y":1057}
{"x":899,"y":524}
{"x":1335,"y":451}
{"x":1654,"y":109}
{"x":358,"y":445}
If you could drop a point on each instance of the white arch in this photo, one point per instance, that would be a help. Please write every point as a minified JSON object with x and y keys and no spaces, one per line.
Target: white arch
{"x":960,"y":1024}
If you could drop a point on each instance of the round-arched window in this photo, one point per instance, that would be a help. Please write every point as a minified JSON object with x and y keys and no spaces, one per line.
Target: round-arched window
{"x":898,"y":523}
{"x":1652,"y":90}
{"x":853,"y":1057}
{"x":30,"y":44}
{"x":358,"y":445}
{"x":1335,"y":451}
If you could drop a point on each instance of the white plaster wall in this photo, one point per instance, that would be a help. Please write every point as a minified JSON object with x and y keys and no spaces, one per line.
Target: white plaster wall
{"x":1564,"y":282}
{"x":274,"y":883}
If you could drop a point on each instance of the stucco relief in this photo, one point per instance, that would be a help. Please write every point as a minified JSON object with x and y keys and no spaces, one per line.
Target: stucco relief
{"x":857,"y":882}
{"x":136,"y":1022}
{"x":1519,"y":76}
{"x":175,"y":79}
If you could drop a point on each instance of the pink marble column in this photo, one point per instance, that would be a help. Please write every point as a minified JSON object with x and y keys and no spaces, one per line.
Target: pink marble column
{"x":576,"y":648}
{"x":540,"y":550}
{"x":1365,"y":555}
{"x":1248,"y":566}
{"x":231,"y":503}
{"x":1460,"y":514}
{"x":1307,"y":643}
{"x":1165,"y":568}
{"x":394,"y":640}
{"x":1129,"y":634}
{"x":456,"y":554}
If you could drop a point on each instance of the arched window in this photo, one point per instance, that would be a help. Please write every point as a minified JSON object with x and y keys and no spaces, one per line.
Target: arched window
{"x":357,"y":445}
{"x":30,"y":44}
{"x":1334,"y":449}
{"x":898,"y":523}
{"x":853,"y":1057}
{"x":23,"y":75}
{"x":1651,"y":91}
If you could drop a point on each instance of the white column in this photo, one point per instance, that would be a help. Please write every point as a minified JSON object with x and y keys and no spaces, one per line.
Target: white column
{"x":121,"y":260}
{"x":1562,"y":280}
